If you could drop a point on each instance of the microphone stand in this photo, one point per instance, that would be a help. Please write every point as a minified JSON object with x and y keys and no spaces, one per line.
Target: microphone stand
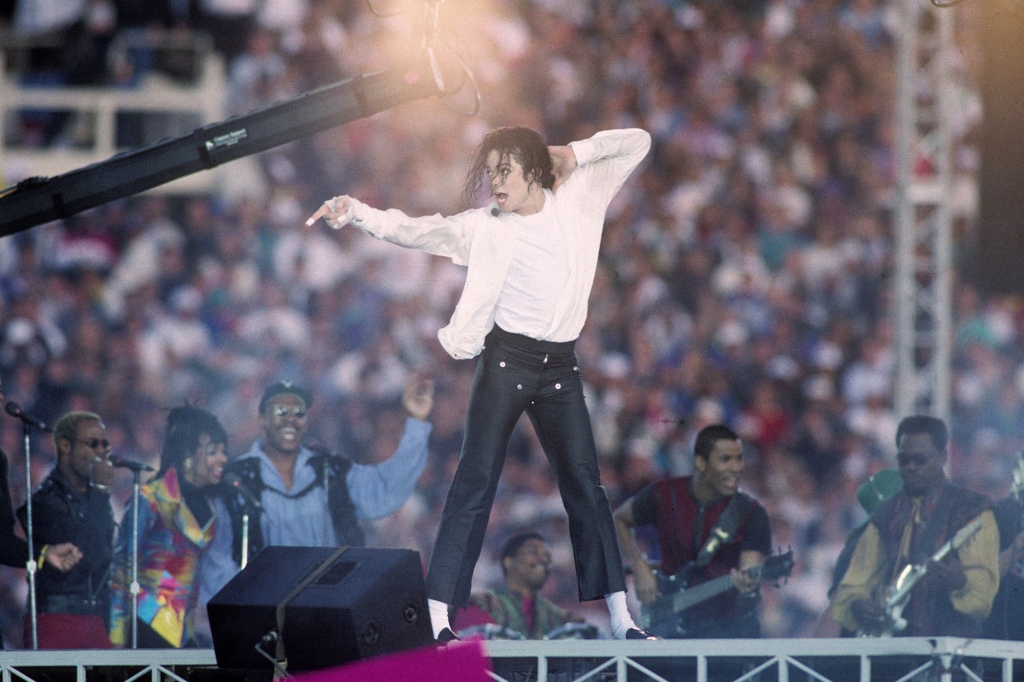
{"x":327,"y":503}
{"x":236,"y":487}
{"x":31,"y":565}
{"x":322,"y":450}
{"x":245,"y":539}
{"x":134,"y":589}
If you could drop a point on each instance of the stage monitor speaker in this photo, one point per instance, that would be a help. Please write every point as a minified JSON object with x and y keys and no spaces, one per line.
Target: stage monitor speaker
{"x":327,"y":607}
{"x":999,"y":247}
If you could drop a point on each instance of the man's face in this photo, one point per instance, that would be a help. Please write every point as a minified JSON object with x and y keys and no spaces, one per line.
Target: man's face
{"x":720,"y":471}
{"x":87,"y":455}
{"x":284,"y":423}
{"x":513,"y":192}
{"x":530,"y":566}
{"x":920,"y":463}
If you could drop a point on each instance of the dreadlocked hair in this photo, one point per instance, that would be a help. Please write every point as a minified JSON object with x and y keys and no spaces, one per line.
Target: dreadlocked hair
{"x":186,"y":425}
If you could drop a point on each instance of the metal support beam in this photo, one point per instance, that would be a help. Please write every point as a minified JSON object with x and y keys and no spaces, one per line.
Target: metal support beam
{"x":923,"y":216}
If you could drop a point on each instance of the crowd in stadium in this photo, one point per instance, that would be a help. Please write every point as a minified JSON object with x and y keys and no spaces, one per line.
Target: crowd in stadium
{"x":745,"y":276}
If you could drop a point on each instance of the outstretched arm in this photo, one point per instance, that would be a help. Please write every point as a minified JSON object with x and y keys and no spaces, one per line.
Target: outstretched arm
{"x":450,"y":237}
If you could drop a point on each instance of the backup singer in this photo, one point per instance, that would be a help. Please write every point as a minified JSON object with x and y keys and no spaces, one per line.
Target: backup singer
{"x":307,"y":498}
{"x":13,"y":549}
{"x":176,"y":526}
{"x":72,"y":505}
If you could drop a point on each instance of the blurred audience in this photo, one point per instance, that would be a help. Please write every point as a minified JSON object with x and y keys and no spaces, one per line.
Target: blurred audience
{"x":744,"y":277}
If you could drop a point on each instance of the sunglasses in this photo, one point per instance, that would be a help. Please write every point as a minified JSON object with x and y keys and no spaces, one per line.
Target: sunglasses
{"x":281,"y":410}
{"x":906,"y":460}
{"x":94,"y":443}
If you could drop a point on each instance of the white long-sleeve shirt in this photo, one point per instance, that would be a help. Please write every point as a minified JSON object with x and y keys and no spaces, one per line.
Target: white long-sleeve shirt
{"x":484,"y":244}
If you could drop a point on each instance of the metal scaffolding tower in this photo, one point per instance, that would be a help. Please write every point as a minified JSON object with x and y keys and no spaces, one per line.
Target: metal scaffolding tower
{"x":924,"y":186}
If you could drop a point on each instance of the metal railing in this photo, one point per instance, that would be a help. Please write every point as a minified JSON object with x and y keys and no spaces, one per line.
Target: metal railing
{"x":939,"y":659}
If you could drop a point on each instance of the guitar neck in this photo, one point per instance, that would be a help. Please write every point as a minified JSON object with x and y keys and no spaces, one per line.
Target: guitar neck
{"x":692,"y":596}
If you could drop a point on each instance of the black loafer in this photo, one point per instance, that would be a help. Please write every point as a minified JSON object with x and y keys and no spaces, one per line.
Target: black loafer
{"x":446,"y":635}
{"x":637,"y":633}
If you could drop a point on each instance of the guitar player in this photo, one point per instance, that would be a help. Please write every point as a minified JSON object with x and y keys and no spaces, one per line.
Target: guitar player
{"x":956,"y":593}
{"x":706,"y":529}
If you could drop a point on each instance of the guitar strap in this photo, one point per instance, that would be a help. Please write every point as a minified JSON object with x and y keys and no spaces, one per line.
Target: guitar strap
{"x":728,"y":523}
{"x":924,"y":545}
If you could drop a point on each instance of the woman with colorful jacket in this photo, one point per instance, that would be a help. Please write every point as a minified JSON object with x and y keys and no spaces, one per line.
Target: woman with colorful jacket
{"x":176,"y":525}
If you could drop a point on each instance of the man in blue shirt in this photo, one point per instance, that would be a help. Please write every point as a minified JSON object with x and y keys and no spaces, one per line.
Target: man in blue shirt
{"x":280,"y":485}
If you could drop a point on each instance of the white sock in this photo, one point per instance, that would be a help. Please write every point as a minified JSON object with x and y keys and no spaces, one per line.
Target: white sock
{"x":439,"y":615}
{"x":619,"y":614}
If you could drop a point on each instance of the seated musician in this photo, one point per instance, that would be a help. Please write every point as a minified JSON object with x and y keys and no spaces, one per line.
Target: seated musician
{"x":516,"y":608}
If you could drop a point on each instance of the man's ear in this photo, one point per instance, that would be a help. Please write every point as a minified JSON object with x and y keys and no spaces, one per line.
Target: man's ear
{"x":700,"y":463}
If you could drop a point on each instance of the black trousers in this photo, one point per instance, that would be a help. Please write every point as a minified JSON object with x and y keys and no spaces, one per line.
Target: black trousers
{"x":517,"y":374}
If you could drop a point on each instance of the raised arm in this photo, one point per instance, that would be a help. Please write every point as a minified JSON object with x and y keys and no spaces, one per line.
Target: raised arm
{"x":607,"y":159}
{"x":381,"y":489}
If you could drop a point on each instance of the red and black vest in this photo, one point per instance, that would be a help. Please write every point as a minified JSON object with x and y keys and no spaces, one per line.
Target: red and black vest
{"x":683,"y":528}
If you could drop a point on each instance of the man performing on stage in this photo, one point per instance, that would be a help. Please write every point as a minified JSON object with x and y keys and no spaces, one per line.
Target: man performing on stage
{"x":704,"y":522}
{"x":955,"y":595}
{"x":531,"y":257}
{"x":295,"y":496}
{"x":72,"y":505}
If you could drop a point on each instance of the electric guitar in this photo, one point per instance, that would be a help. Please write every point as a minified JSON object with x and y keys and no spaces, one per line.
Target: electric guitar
{"x":666,"y":617}
{"x":898,"y":594}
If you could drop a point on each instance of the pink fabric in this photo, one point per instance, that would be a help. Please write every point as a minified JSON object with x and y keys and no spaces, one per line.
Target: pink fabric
{"x":458,"y":662}
{"x":68,"y":631}
{"x":470,"y":616}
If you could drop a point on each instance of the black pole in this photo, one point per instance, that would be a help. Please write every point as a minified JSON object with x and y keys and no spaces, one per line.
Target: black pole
{"x":41,"y":200}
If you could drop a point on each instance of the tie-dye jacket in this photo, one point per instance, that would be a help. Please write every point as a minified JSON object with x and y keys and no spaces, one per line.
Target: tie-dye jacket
{"x":171,"y":544}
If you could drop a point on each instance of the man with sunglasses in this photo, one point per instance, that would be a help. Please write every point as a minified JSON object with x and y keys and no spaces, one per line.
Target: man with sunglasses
{"x":281,"y":484}
{"x":72,"y":506}
{"x":956,"y":594}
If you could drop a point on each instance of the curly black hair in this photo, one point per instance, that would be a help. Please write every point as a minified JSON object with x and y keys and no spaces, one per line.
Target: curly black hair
{"x":524,"y":145}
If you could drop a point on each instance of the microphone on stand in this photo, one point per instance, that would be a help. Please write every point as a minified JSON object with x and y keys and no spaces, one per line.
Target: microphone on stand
{"x":14,"y":409}
{"x":130,"y":464}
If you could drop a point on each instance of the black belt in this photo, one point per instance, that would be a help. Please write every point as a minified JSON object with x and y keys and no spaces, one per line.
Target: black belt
{"x":69,"y":603}
{"x":530,"y":344}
